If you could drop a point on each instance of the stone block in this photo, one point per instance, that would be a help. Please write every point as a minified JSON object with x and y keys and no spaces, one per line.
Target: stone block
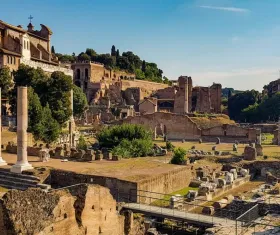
{"x":115,"y":158}
{"x":259,"y":150}
{"x":250,"y":153}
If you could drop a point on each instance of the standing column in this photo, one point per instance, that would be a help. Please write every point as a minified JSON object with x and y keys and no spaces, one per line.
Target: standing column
{"x":22,"y":124}
{"x":186,"y":101}
{"x":2,"y":161}
{"x":71,"y":122}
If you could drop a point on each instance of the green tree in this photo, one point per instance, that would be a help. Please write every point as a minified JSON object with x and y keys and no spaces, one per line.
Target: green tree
{"x":118,"y":53}
{"x":134,"y":148}
{"x":143,"y":66}
{"x":52,"y":50}
{"x":6,"y":81}
{"x":91,"y":53}
{"x":35,"y":110}
{"x":84,"y":57}
{"x":229,"y":93}
{"x":58,"y":96}
{"x":79,"y":101}
{"x":179,"y":156}
{"x":112,"y":136}
{"x":140,"y":74}
{"x":48,"y":129}
{"x":113,"y":51}
{"x":240,"y":101}
{"x":82,"y":143}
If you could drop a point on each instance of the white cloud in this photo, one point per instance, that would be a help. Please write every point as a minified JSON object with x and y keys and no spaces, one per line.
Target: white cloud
{"x":232,"y":9}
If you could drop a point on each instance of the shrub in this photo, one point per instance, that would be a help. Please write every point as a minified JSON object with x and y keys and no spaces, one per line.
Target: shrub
{"x":179,"y":156}
{"x":134,"y":148}
{"x":169,"y":146}
{"x":265,"y":157}
{"x":113,"y":136}
{"x":82,"y":143}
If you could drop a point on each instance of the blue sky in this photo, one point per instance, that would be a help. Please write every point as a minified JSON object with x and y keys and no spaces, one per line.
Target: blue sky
{"x":234,"y":42}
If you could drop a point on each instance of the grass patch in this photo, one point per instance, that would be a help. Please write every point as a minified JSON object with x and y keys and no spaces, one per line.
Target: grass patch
{"x":268,"y":138}
{"x":164,"y":202}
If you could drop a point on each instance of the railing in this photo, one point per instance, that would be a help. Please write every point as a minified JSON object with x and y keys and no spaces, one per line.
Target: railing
{"x":247,"y":218}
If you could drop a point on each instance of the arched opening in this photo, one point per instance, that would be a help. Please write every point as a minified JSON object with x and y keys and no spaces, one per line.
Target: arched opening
{"x":78,"y":74}
{"x":86,"y":73}
{"x":77,"y":83}
{"x":160,"y":131}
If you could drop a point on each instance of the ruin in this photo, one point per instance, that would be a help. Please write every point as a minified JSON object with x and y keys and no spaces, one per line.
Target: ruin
{"x":22,"y":124}
{"x":2,"y":161}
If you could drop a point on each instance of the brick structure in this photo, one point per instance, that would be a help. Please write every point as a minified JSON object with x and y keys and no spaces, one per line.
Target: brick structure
{"x":30,"y":47}
{"x":182,"y":97}
{"x":273,"y":87}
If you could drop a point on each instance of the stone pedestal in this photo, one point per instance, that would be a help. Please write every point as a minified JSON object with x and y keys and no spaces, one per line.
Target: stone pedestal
{"x":2,"y":161}
{"x":22,"y":124}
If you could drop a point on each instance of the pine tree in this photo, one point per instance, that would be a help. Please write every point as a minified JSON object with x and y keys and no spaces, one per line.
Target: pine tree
{"x":53,"y":50}
{"x":113,"y":51}
{"x":144,"y":66}
{"x":229,"y":93}
{"x":118,"y":53}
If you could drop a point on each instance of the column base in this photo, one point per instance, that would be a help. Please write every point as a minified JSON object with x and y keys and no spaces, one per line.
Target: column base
{"x":2,"y":162}
{"x":19,"y":167}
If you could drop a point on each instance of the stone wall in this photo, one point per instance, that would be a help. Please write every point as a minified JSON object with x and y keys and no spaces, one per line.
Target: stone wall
{"x":85,"y":210}
{"x":164,"y":184}
{"x":47,"y":67}
{"x":231,"y":132}
{"x":177,"y":126}
{"x":59,"y":178}
{"x":126,"y":190}
{"x":149,"y":86}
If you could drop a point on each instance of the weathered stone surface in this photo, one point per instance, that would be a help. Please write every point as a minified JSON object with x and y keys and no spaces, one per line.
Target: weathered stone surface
{"x":85,"y":210}
{"x":250,"y":153}
{"x":115,"y":158}
{"x":259,"y":150}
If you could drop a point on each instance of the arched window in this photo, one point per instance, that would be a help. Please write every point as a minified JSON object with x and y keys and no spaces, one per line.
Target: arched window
{"x":27,"y":45}
{"x":8,"y":59}
{"x":14,"y":60}
{"x":78,"y":74}
{"x":86,"y":73}
{"x":24,"y":44}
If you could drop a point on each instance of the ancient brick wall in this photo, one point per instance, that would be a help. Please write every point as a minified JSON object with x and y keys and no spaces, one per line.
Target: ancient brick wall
{"x":216,"y":97}
{"x":232,"y":132}
{"x":166,"y":93}
{"x":147,"y":107}
{"x":149,"y":86}
{"x":59,"y":178}
{"x":177,"y":126}
{"x":184,"y":89}
{"x":203,"y":102}
{"x":165,"y":183}
{"x":83,"y":210}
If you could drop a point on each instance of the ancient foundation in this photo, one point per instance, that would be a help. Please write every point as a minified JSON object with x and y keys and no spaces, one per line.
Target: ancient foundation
{"x":2,"y":162}
{"x":22,"y":124}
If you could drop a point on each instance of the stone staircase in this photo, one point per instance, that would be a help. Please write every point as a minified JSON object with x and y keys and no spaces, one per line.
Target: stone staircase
{"x":11,"y":180}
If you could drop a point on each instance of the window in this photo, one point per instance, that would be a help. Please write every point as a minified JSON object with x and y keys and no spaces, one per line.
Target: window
{"x":78,"y":74}
{"x":8,"y":59}
{"x":24,"y":44}
{"x":27,"y":45}
{"x":86,"y":73}
{"x":14,"y":60}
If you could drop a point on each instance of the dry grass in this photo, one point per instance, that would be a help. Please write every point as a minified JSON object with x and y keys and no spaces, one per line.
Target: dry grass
{"x":211,"y":121}
{"x":272,"y":151}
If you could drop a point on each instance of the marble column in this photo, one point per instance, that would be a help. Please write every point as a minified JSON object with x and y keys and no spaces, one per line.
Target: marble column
{"x":71,"y":123}
{"x":2,"y":161}
{"x":22,"y":124}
